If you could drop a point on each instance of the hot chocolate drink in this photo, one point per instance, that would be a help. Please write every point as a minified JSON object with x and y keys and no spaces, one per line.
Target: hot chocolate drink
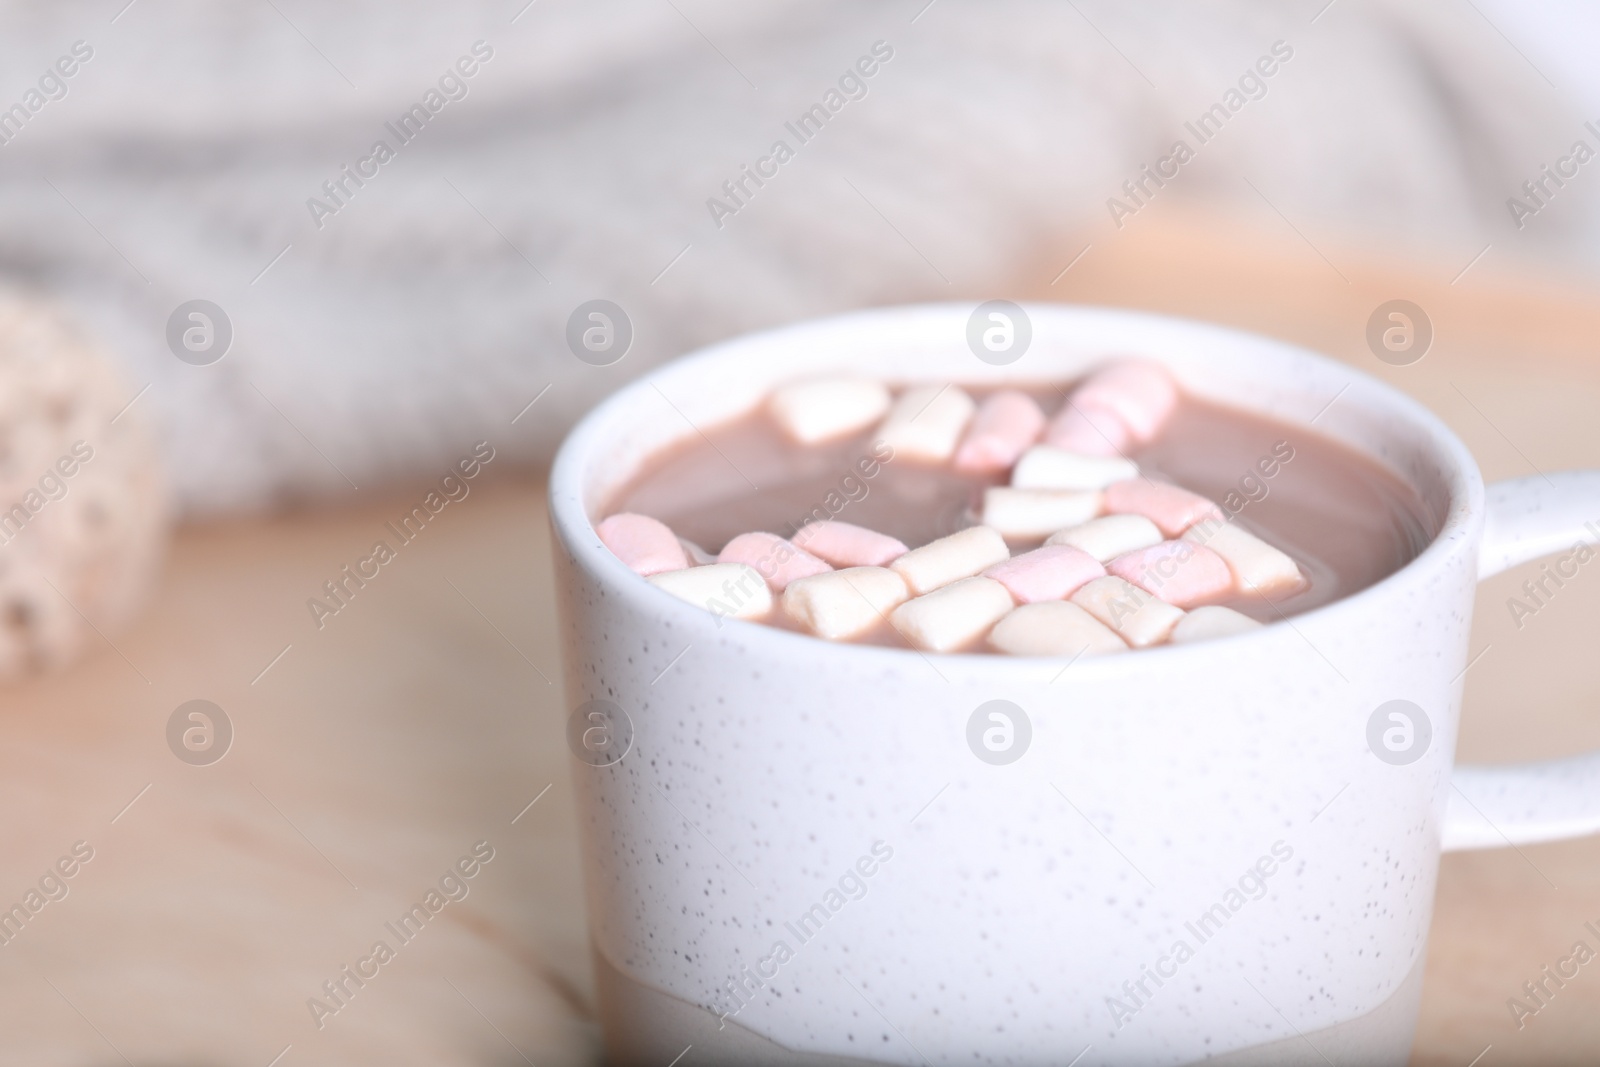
{"x":1053,"y":519}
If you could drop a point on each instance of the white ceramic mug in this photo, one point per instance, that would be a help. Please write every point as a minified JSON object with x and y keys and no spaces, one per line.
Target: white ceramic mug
{"x":1199,"y":852}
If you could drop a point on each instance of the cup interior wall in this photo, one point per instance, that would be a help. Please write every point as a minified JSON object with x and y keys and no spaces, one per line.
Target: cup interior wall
{"x":921,"y":345}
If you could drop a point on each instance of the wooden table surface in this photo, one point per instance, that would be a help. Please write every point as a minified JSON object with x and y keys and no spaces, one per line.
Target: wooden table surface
{"x":424,"y":718}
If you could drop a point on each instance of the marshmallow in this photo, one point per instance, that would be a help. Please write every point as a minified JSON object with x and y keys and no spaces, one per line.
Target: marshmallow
{"x":1054,"y":628}
{"x":1141,"y":393}
{"x":724,"y":589}
{"x":1180,"y":572}
{"x":779,"y":561}
{"x":846,"y":545}
{"x":956,"y":615}
{"x":1027,"y":513}
{"x":648,"y":546}
{"x":1257,"y":567}
{"x":1203,"y":624}
{"x":941,"y":562}
{"x":1049,"y":467}
{"x":1172,"y":509}
{"x":1007,"y":422}
{"x":842,"y":604}
{"x":822,"y":410}
{"x":1089,"y":430}
{"x":1140,"y":619}
{"x":926,"y":422}
{"x":1052,"y":573}
{"x":1109,"y":537}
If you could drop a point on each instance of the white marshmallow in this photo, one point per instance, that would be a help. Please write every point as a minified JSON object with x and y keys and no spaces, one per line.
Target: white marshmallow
{"x":954,"y":616}
{"x":1029,"y":513}
{"x":1054,"y":628}
{"x":1138,"y":617}
{"x":1203,"y":624}
{"x":1257,"y":567}
{"x":736,"y":590}
{"x":1049,"y":467}
{"x":926,"y":423}
{"x":841,"y":604}
{"x":1109,"y":537}
{"x":961,"y":555}
{"x":817,"y":411}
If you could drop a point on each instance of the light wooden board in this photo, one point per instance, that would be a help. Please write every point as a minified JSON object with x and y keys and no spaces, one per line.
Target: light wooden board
{"x":366,"y":761}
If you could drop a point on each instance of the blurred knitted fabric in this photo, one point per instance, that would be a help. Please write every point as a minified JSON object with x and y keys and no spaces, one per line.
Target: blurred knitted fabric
{"x":82,"y":506}
{"x":388,"y":307}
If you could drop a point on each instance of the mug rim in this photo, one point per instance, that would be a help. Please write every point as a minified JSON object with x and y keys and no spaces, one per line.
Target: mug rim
{"x":1460,"y":474}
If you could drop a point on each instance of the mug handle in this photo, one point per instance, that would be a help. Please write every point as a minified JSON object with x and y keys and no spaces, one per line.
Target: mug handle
{"x":1522,"y":803}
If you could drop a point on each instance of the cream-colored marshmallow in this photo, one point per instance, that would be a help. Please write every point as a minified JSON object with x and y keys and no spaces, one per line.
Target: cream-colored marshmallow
{"x":954,"y":616}
{"x":1049,"y":467}
{"x":960,"y":555}
{"x":926,"y":423}
{"x":1138,"y":617}
{"x":822,"y":410}
{"x":842,"y":604}
{"x":731,"y":590}
{"x":1110,"y":536}
{"x":1054,"y":628}
{"x":1257,"y":567}
{"x":1204,"y":624}
{"x":1021,"y":514}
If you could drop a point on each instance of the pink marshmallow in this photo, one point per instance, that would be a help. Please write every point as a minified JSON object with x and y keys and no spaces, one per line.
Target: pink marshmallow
{"x":1005,"y":425}
{"x":1089,"y":430}
{"x":777,"y":560}
{"x":1182,"y":573}
{"x":648,"y":546}
{"x":1142,"y":394}
{"x":1054,"y":572}
{"x":1172,"y":509}
{"x":844,"y":544}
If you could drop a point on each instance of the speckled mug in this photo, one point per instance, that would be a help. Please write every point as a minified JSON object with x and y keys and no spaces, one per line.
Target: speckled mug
{"x":801,"y":860}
